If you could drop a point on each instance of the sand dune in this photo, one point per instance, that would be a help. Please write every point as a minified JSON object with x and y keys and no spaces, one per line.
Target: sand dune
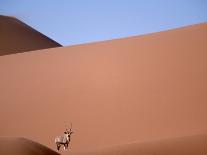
{"x":115,"y":92}
{"x":22,"y":146}
{"x":193,"y":145}
{"x":16,"y":37}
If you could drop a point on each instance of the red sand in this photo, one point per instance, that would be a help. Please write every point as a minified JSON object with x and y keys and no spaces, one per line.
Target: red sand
{"x":115,"y":92}
{"x":193,"y":145}
{"x":17,"y":37}
{"x":22,"y":146}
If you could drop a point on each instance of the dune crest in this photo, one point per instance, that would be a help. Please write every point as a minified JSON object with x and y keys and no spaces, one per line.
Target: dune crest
{"x":17,"y":37}
{"x":22,"y":146}
{"x":192,"y":145}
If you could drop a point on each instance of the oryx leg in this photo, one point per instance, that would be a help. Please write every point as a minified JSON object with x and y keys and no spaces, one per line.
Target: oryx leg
{"x":65,"y":146}
{"x":58,"y":146}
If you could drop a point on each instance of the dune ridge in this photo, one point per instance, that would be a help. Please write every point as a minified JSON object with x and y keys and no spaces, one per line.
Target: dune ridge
{"x":17,"y":37}
{"x":188,"y":145}
{"x":22,"y":146}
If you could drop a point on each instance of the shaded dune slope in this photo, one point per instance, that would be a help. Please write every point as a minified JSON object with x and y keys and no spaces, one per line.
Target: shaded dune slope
{"x":22,"y":146}
{"x":192,"y":145}
{"x":17,"y":37}
{"x":115,"y":92}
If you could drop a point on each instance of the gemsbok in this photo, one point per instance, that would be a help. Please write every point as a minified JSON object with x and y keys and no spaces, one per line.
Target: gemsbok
{"x":64,"y":140}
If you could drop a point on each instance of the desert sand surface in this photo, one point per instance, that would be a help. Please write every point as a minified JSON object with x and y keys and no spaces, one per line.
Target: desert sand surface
{"x":114,"y":92}
{"x":192,"y":145}
{"x":22,"y":146}
{"x":16,"y":37}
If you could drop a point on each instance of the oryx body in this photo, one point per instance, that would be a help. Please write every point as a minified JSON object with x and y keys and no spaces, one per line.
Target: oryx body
{"x":64,"y":140}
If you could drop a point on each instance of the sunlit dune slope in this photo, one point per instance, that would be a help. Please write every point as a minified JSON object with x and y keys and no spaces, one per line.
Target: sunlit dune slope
{"x":17,"y":37}
{"x":114,"y":92}
{"x":193,"y":145}
{"x":21,"y":146}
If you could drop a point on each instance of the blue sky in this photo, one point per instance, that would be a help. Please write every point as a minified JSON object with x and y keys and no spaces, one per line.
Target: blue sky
{"x":71,"y":22}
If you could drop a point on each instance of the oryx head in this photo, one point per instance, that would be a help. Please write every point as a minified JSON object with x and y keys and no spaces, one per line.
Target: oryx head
{"x":68,"y":131}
